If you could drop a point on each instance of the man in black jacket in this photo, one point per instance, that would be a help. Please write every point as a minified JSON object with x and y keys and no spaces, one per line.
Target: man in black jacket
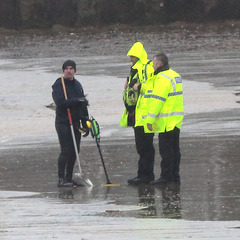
{"x":77,"y":104}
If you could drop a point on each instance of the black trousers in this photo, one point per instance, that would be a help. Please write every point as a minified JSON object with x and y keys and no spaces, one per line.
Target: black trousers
{"x":146,"y":151}
{"x":67,"y":156}
{"x":170,"y":153}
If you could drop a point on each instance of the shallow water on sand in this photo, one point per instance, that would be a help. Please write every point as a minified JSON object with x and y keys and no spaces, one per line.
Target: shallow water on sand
{"x":26,"y":91}
{"x":204,"y":206}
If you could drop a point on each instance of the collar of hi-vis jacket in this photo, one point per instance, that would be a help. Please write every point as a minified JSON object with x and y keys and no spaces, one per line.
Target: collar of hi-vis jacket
{"x":161,"y":69}
{"x":137,"y":65}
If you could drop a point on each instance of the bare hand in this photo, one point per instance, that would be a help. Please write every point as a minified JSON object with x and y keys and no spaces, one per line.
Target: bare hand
{"x":126,"y":84}
{"x":149,"y":126}
{"x":135,"y":86}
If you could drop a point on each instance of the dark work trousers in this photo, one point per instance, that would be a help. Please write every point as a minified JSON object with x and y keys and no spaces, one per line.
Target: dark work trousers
{"x":67,"y":157}
{"x":146,"y":151}
{"x":170,"y":153}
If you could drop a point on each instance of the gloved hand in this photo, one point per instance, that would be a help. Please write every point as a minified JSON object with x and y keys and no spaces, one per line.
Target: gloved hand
{"x":84,"y":101}
{"x":86,"y":126}
{"x":86,"y":132}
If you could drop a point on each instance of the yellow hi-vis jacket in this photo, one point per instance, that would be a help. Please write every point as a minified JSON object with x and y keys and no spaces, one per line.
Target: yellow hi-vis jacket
{"x":164,"y":102}
{"x":141,"y":108}
{"x":144,"y":70}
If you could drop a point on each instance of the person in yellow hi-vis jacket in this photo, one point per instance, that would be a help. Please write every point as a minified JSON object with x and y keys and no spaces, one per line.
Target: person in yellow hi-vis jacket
{"x":134,"y":90}
{"x":164,"y":104}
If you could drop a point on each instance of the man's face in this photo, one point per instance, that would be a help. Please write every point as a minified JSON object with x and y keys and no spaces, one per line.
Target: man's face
{"x":69,"y":73}
{"x":133,"y":59}
{"x":156,"y":63}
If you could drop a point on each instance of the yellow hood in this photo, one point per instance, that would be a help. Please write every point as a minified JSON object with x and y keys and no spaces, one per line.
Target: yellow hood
{"x":137,"y":50}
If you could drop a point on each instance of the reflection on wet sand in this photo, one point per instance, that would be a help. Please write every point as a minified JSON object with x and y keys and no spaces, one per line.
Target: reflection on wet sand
{"x":171,"y":201}
{"x":209,"y":188}
{"x":160,"y":201}
{"x":66,"y":193}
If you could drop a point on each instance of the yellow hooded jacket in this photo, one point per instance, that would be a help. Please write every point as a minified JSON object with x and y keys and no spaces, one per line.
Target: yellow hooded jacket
{"x":144,"y":70}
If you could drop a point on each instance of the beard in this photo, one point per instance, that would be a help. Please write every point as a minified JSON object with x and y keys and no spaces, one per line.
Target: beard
{"x":69,"y":76}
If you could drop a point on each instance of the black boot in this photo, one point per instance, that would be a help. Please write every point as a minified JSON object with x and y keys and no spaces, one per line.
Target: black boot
{"x":69,"y":182}
{"x":161,"y":180}
{"x":63,"y":183}
{"x":60,"y":182}
{"x":130,"y":181}
{"x":138,"y":180}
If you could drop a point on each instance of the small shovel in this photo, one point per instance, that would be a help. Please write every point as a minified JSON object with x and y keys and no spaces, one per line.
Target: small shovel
{"x":78,"y":178}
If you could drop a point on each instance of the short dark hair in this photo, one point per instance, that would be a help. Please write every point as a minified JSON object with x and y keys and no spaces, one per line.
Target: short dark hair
{"x":69,"y":63}
{"x":162,"y":57}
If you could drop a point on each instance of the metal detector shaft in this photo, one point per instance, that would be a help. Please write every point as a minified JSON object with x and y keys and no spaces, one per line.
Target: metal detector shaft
{"x":104,"y":167}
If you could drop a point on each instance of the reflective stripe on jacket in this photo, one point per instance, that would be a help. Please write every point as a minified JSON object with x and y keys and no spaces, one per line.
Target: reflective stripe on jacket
{"x":141,"y":108}
{"x":164,"y":102}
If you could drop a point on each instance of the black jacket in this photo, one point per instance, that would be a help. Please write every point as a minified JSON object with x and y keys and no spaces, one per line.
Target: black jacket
{"x":74,"y":93}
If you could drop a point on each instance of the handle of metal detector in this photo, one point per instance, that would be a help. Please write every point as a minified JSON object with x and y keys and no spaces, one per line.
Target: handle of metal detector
{"x":95,"y":129}
{"x":104,"y":167}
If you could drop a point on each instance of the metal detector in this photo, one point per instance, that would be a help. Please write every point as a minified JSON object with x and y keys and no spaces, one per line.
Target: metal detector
{"x":95,"y":132}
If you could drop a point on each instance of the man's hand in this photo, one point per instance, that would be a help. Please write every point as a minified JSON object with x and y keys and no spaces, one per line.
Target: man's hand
{"x":126,"y":84}
{"x":86,"y":123}
{"x":84,"y":101}
{"x":135,"y":86}
{"x":86,"y":132}
{"x":149,"y":126}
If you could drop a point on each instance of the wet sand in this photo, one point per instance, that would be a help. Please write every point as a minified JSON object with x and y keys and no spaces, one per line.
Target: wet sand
{"x":204,"y":206}
{"x":207,"y":203}
{"x":209,"y":189}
